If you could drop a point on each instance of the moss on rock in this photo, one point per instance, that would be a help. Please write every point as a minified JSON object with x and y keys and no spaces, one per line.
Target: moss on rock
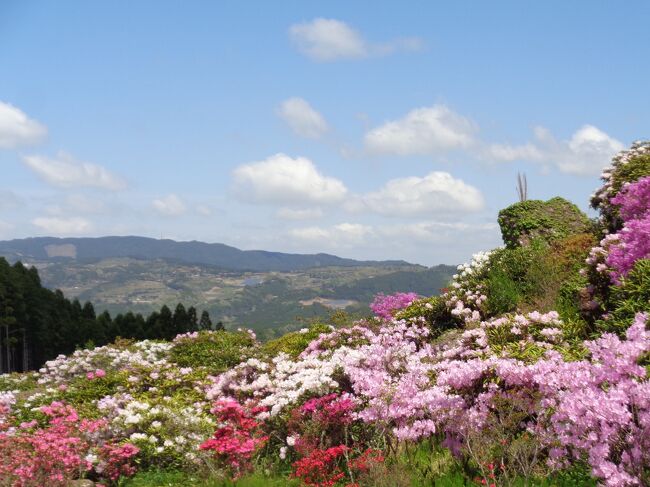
{"x":550,"y":220}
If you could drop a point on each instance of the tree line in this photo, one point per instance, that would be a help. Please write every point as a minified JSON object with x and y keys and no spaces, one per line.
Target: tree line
{"x":37,"y":324}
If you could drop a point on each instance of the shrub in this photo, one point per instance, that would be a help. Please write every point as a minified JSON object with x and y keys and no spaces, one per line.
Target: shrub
{"x":237,"y":437}
{"x":627,"y":166}
{"x":216,"y":350}
{"x":433,"y":310}
{"x":293,"y":344}
{"x":550,"y":220}
{"x":632,"y":296}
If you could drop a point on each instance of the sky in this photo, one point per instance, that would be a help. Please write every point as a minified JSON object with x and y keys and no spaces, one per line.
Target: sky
{"x":370,"y":130}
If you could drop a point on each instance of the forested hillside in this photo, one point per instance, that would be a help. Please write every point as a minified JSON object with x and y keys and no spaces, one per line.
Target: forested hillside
{"x":37,"y":324}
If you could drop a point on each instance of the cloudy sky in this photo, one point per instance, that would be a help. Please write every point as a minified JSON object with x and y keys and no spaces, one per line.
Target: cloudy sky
{"x":367,"y":130}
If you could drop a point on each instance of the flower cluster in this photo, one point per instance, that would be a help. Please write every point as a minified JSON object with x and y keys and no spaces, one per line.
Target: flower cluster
{"x":602,"y":198}
{"x":58,"y":452}
{"x":466,"y":295}
{"x":237,"y":437}
{"x":618,"y":252}
{"x":146,"y":353}
{"x":385,"y":306}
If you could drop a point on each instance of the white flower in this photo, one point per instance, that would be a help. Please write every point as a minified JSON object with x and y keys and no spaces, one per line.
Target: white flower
{"x":91,"y":458}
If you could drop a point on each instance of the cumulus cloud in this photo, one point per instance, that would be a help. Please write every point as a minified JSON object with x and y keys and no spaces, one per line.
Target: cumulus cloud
{"x":302,"y":118}
{"x":66,"y":172}
{"x":170,"y":205}
{"x":437,"y":193}
{"x":299,"y":214}
{"x":63,"y":226}
{"x":17,"y":129}
{"x":284,"y":180}
{"x":341,"y":235}
{"x":587,"y":152}
{"x":428,"y":130}
{"x":326,"y":40}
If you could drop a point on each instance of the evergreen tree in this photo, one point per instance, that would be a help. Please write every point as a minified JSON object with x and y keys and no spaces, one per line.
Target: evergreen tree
{"x":192,"y":322}
{"x":206,"y":322}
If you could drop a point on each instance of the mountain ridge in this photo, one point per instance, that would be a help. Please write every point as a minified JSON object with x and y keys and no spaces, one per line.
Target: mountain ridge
{"x":88,"y":249}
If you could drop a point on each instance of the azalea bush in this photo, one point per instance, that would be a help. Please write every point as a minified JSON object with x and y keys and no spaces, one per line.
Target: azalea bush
{"x":61,"y":448}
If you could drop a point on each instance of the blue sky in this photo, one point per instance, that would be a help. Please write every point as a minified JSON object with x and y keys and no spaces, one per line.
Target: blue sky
{"x":389,"y":130}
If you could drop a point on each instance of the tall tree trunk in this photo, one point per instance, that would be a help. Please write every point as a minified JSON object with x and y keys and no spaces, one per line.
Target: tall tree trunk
{"x":8,"y":350}
{"x":25,"y":352}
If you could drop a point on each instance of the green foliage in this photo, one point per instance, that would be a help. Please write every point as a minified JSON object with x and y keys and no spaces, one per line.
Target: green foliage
{"x":631,"y":297}
{"x":514,"y":276}
{"x":175,"y":478}
{"x":550,"y":220}
{"x":81,"y":392}
{"x":637,"y":168}
{"x":433,"y":310}
{"x":294,"y":343}
{"x":216,"y":350}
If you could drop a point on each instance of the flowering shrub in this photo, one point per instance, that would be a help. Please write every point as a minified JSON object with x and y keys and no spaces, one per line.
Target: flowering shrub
{"x":633,"y":201}
{"x":466,"y":297}
{"x":322,"y":468}
{"x":627,"y":166}
{"x":216,"y":350}
{"x":237,"y":437}
{"x":65,"y":448}
{"x":386,"y":306}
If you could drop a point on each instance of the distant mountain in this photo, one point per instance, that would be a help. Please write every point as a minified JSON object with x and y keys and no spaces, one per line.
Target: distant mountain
{"x":213,"y":254}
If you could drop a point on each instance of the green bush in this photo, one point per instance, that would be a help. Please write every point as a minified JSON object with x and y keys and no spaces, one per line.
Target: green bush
{"x":628,"y":299}
{"x":516,"y":275}
{"x":433,"y":310}
{"x":216,"y":350}
{"x":550,"y":220}
{"x":294,"y":343}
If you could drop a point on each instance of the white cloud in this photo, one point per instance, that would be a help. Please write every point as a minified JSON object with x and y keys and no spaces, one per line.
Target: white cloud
{"x":17,"y":129}
{"x":429,"y":232}
{"x":299,"y":214}
{"x":587,"y":152}
{"x":505,"y":152}
{"x":438,"y":193}
{"x":341,"y":235}
{"x":285,"y":180}
{"x":170,"y":205}
{"x":330,"y":40}
{"x":63,"y":226}
{"x":426,"y":130}
{"x":302,"y":118}
{"x":66,"y":172}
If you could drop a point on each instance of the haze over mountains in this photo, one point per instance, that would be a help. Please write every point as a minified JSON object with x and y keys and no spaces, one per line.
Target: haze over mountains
{"x":194,"y":252}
